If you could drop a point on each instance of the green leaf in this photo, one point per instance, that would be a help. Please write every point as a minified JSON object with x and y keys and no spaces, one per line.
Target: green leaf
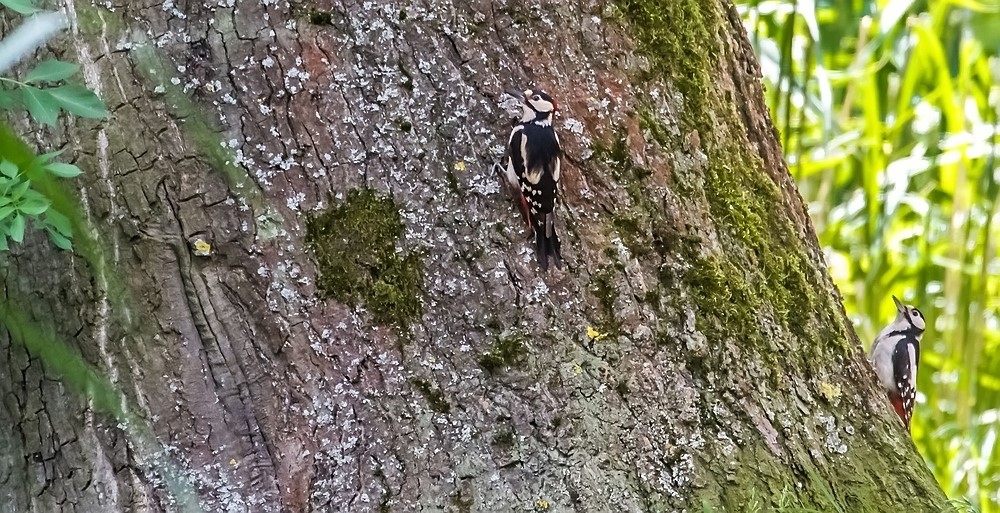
{"x":37,"y":164}
{"x":33,"y":206}
{"x":78,"y":100}
{"x":63,"y":170}
{"x":6,"y":211}
{"x":41,"y":105}
{"x":21,"y":6}
{"x":59,"y":239}
{"x":17,"y":229}
{"x":45,"y":157}
{"x":8,"y":168}
{"x":3,"y":242}
{"x":10,"y":99}
{"x":59,"y":222}
{"x":19,"y":189}
{"x":51,"y":71}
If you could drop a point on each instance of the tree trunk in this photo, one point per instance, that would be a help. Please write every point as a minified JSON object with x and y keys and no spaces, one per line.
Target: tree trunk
{"x":303,"y":289}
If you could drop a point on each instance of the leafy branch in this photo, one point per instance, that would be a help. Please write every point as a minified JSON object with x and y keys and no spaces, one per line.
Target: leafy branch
{"x":43,"y":100}
{"x":44,"y":92}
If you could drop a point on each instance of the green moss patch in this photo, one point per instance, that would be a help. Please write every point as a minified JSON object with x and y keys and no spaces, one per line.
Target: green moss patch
{"x":321,"y":18}
{"x":435,"y":398}
{"x":504,"y":439}
{"x":674,"y":36}
{"x":354,"y":243}
{"x":763,"y":265}
{"x":507,"y":350}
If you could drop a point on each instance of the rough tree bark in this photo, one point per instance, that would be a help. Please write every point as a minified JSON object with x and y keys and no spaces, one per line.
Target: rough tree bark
{"x":368,"y":330}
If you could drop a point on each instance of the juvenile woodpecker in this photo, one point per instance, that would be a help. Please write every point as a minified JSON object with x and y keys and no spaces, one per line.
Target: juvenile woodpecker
{"x":896,"y":355}
{"x":533,"y":170}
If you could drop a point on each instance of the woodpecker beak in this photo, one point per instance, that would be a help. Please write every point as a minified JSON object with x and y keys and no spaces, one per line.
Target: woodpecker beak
{"x":899,"y":304}
{"x":516,"y":94}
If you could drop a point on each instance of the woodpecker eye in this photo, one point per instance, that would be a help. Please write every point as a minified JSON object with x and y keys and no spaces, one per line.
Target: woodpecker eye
{"x":536,"y":97}
{"x":916,"y":313}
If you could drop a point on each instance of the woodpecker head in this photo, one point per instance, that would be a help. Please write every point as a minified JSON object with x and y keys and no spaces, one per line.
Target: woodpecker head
{"x":908,"y":317}
{"x":536,"y":105}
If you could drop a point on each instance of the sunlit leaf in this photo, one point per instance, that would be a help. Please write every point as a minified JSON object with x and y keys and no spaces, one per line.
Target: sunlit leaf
{"x":807,"y":10}
{"x":892,"y":13}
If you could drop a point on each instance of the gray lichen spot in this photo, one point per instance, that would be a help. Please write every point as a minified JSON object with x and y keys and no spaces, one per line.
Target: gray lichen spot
{"x":354,"y":243}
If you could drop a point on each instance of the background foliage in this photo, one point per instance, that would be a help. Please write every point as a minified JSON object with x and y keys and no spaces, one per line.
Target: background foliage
{"x":888,"y":115}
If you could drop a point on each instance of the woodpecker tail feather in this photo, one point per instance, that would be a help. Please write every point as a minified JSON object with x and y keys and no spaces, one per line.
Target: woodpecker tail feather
{"x":546,"y":240}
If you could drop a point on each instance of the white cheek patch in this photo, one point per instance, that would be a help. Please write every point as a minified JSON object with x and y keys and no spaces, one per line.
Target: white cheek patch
{"x":542,"y":105}
{"x":526,"y":113}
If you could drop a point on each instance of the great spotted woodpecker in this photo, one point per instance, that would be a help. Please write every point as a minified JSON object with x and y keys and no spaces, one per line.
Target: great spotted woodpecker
{"x":533,"y":170}
{"x":896,"y":355}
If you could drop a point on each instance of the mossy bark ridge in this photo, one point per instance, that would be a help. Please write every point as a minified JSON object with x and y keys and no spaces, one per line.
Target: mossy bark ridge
{"x":369,"y":330}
